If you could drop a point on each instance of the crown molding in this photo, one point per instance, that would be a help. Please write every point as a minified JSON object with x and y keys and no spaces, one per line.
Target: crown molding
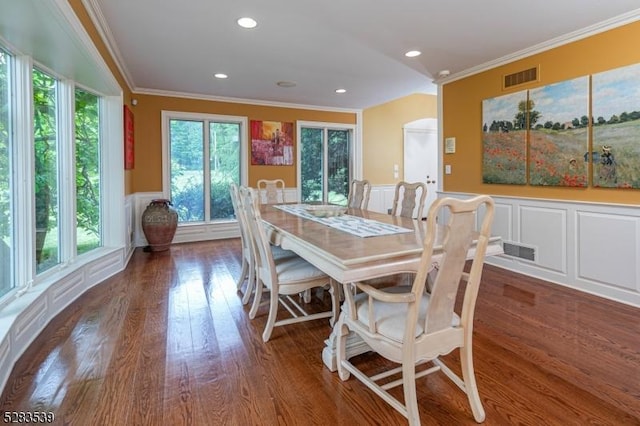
{"x":97,"y":17}
{"x":154,"y":92}
{"x":580,"y":34}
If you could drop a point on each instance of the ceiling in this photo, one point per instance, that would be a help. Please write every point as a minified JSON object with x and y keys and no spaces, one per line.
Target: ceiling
{"x":175,"y":47}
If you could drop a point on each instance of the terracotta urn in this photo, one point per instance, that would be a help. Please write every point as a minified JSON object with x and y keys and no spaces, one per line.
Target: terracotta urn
{"x":159,"y":223}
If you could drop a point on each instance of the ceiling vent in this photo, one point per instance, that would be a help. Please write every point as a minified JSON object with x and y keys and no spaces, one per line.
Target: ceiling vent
{"x":520,"y":77}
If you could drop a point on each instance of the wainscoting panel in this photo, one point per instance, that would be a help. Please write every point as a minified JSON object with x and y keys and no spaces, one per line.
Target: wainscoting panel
{"x":545,"y":227}
{"x":30,"y":322}
{"x":502,"y":220}
{"x":593,"y":247}
{"x":66,"y":290}
{"x":381,"y":199}
{"x":5,"y":360}
{"x":608,"y":243}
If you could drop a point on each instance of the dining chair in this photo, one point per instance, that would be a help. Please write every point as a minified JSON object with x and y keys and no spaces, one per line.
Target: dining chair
{"x":407,"y":196}
{"x":284,"y":277}
{"x":248,"y":263}
{"x":273,"y":190}
{"x":248,"y":271}
{"x":411,"y":327}
{"x":359,"y":192}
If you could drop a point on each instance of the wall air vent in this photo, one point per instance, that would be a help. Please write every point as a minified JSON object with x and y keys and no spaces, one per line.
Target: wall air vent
{"x":515,"y":250}
{"x":520,"y":77}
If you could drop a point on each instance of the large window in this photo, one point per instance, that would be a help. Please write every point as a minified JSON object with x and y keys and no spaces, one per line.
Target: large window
{"x":6,"y":234}
{"x":46,"y":170}
{"x":57,"y":214}
{"x":205,"y":156}
{"x":88,"y":189}
{"x":326,"y":162}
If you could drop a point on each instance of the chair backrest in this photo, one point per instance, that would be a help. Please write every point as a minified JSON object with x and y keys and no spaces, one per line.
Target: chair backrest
{"x":261,"y":245}
{"x":245,"y":237}
{"x":406,"y":197}
{"x":359,"y":192}
{"x":459,"y":234}
{"x":273,"y":189}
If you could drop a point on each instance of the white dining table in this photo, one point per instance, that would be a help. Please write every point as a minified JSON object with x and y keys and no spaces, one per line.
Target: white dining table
{"x":349,"y":258}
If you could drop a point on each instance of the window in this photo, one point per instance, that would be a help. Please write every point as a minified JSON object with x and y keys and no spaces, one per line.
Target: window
{"x":205,"y":155}
{"x":88,"y":188}
{"x":325,"y":162}
{"x":46,"y":170}
{"x":6,"y":232}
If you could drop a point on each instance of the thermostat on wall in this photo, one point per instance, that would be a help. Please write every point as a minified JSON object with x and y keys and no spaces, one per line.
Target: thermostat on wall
{"x":450,"y":145}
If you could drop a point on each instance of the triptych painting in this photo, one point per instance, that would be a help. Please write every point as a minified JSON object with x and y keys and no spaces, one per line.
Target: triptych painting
{"x":541,"y":136}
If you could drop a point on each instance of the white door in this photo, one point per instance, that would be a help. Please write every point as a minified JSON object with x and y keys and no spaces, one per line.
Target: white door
{"x":421,"y":160}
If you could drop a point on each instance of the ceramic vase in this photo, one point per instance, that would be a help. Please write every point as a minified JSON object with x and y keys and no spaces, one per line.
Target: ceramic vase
{"x":159,"y":223}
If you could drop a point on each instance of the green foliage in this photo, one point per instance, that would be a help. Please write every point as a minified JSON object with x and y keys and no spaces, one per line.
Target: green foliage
{"x":187,"y":168}
{"x":88,"y":162}
{"x":5,"y":170}
{"x":46,"y":168}
{"x":311,"y":170}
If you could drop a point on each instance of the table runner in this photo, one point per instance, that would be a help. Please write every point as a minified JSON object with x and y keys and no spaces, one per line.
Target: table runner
{"x":353,"y":225}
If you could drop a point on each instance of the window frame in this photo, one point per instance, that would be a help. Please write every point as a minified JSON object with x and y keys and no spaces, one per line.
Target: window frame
{"x":167,"y":116}
{"x":354,"y":150}
{"x":25,"y":275}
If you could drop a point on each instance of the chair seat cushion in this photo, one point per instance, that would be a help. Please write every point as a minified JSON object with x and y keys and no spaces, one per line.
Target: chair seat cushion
{"x":390,"y":318}
{"x":280,"y":253}
{"x":295,"y":269}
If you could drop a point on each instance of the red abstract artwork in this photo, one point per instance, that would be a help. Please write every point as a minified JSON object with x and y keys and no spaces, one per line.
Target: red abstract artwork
{"x":128,"y":139}
{"x":271,"y":143}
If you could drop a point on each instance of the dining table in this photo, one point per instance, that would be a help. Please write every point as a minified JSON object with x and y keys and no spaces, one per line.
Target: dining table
{"x":354,"y":246}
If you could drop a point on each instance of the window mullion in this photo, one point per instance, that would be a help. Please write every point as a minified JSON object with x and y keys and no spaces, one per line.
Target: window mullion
{"x":207,"y":170}
{"x":325,"y":165}
{"x":24,"y":173}
{"x":66,"y":171}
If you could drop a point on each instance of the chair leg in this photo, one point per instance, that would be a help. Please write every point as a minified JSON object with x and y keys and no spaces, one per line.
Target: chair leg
{"x":468,"y":375}
{"x":243,"y":273}
{"x":251,"y":284}
{"x":257,"y":298}
{"x":273,"y":312}
{"x":410,"y":396}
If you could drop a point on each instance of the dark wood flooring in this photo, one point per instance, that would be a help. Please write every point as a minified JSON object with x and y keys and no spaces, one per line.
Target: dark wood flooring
{"x":168,"y":342}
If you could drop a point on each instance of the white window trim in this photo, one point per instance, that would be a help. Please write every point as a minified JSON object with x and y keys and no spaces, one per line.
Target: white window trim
{"x":356,"y":148}
{"x":178,"y":115}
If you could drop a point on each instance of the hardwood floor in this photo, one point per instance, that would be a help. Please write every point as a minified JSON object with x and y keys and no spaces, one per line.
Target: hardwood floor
{"x":168,"y":342}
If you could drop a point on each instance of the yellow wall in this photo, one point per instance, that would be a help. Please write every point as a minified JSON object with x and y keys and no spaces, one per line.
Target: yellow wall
{"x":147,"y":175}
{"x":462,"y":111}
{"x":382,"y":134}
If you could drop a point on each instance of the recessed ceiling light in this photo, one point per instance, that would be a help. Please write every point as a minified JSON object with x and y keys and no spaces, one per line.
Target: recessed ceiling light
{"x":286,"y":83}
{"x":247,"y":22}
{"x":341,"y":90}
{"x":412,"y":53}
{"x":220,"y":75}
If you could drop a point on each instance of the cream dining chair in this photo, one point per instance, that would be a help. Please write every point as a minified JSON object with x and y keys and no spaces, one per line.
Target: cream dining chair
{"x":411,"y":327}
{"x":273,"y":190}
{"x":248,"y":248}
{"x":359,"y":192}
{"x":248,"y":263}
{"x":407,"y":196}
{"x":284,"y":277}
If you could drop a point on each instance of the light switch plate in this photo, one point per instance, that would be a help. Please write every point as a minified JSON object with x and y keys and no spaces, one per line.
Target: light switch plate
{"x":447,"y":169}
